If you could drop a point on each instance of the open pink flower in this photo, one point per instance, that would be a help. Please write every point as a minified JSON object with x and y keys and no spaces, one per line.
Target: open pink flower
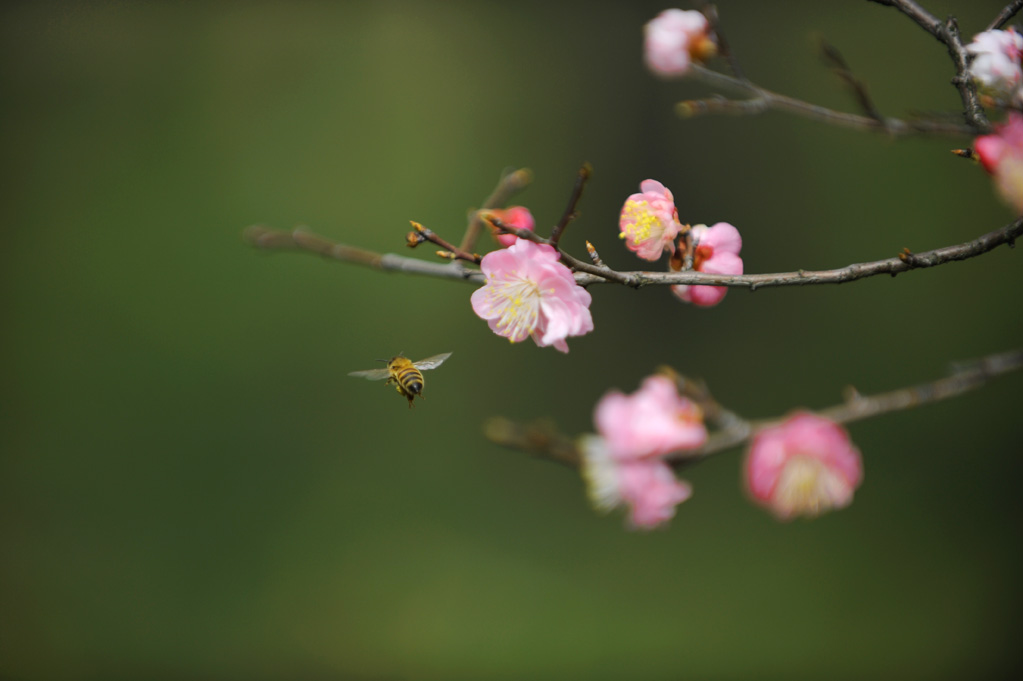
{"x":717,"y":252}
{"x":1001,"y":154}
{"x":513,"y":216}
{"x":804,"y":466}
{"x":647,"y":487}
{"x":653,"y":421}
{"x":529,"y":293}
{"x":676,"y":38}
{"x":649,"y":221}
{"x":996,"y":63}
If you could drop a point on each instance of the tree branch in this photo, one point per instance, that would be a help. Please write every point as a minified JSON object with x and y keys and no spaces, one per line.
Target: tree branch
{"x":587,"y":274}
{"x":1008,"y":12}
{"x":947,"y":33}
{"x":764,"y":100}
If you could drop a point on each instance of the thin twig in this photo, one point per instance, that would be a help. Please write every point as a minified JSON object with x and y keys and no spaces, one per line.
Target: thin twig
{"x":1008,"y":12}
{"x":421,"y":234}
{"x":763,"y":100}
{"x":302,"y":240}
{"x":509,"y":185}
{"x":841,"y":68}
{"x":573,"y":201}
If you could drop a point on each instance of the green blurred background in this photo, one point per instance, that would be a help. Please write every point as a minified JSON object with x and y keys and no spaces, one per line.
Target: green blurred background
{"x":192,"y":487}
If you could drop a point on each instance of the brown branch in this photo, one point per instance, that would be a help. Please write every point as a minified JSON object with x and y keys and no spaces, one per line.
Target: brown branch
{"x":509,"y":185}
{"x":1008,"y":12}
{"x":763,"y":100}
{"x":421,"y":234}
{"x":841,"y":68}
{"x":573,"y":201}
{"x":947,"y":33}
{"x":302,"y":240}
{"x":541,"y":440}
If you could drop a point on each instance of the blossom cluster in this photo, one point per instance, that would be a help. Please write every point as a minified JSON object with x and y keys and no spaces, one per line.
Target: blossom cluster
{"x":649,"y":224}
{"x":1001,"y":154}
{"x":624,"y":464}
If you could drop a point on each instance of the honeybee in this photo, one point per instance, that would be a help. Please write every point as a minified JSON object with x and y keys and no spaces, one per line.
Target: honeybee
{"x":404,"y":373}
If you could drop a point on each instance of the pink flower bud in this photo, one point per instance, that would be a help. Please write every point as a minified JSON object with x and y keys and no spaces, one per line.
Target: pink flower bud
{"x":1001,"y":154}
{"x":529,"y":293}
{"x":676,"y":38}
{"x":716,"y":252}
{"x":647,"y":487}
{"x":804,"y":466}
{"x":649,"y":221}
{"x":653,"y":421}
{"x":513,"y":216}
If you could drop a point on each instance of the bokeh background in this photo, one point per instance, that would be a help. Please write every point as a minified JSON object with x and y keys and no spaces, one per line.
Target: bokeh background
{"x":192,"y":487}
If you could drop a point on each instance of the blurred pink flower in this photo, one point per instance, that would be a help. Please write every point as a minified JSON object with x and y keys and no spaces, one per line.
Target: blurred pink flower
{"x":676,"y":38}
{"x":804,"y":466}
{"x":996,"y":63}
{"x":717,"y":252}
{"x":513,"y":216}
{"x":653,"y":421}
{"x":1001,"y":154}
{"x":529,"y":293}
{"x":648,"y":486}
{"x":649,"y":221}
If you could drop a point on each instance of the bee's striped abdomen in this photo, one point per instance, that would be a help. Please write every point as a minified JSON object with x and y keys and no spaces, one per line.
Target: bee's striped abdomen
{"x":411,"y":379}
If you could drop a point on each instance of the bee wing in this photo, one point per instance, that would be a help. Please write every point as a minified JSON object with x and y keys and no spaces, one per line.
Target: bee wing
{"x":372,"y":374}
{"x":431,"y":362}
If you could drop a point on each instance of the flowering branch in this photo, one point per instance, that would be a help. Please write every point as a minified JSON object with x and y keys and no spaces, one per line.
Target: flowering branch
{"x":587,"y":273}
{"x":543,"y":441}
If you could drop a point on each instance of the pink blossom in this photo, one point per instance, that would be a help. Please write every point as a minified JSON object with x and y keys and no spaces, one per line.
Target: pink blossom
{"x":529,"y":293}
{"x":649,"y":221}
{"x":1001,"y":154}
{"x":804,"y":466}
{"x":647,"y":486}
{"x":513,"y":216}
{"x":716,"y":252}
{"x":676,"y":38}
{"x":996,"y":62}
{"x":653,"y":421}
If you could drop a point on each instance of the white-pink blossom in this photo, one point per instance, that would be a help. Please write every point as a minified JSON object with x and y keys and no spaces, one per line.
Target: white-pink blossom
{"x":647,"y":486}
{"x":1001,"y":154}
{"x":529,"y":293}
{"x":716,"y":252}
{"x":651,"y":422}
{"x":803,"y":467}
{"x":996,"y":63}
{"x":676,"y":38}
{"x":649,"y":221}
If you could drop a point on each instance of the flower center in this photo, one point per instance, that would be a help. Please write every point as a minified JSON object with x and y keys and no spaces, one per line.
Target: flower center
{"x":807,"y":487}
{"x":702,"y":254}
{"x":641,"y":221}
{"x":517,"y":302}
